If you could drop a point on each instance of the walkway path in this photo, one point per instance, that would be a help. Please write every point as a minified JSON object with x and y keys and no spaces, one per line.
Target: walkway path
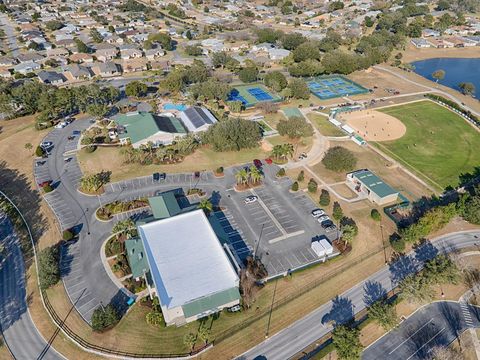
{"x":21,"y":336}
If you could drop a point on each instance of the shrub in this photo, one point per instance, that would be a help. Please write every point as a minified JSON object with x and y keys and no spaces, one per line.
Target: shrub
{"x":339,"y":159}
{"x":375,"y":215}
{"x":67,"y":235}
{"x":398,"y":244}
{"x":295,"y":186}
{"x":48,"y":267}
{"x":324,"y":198}
{"x":104,"y":317}
{"x":312,"y":186}
{"x":47,"y":188}
{"x":39,"y":151}
{"x":337,"y":211}
{"x":154,"y":318}
{"x":90,"y":149}
{"x":301,"y":176}
{"x":219,"y":170}
{"x":281,"y":172}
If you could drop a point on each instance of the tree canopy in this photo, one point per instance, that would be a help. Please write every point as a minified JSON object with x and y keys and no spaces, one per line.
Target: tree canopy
{"x":339,"y":159}
{"x":295,"y":127}
{"x":233,"y":135}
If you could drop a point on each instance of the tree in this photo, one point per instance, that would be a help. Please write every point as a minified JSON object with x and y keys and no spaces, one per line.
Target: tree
{"x":324,"y":198}
{"x":126,"y":226}
{"x":67,"y":235}
{"x":193,"y":50}
{"x":104,"y":317}
{"x":92,"y":183}
{"x":96,"y":36}
{"x":282,"y":151}
{"x":233,"y":135}
{"x":291,"y":41}
{"x":53,"y":25}
{"x":348,"y":233}
{"x":467,"y":88}
{"x":255,"y":175}
{"x":295,"y":127}
{"x":346,"y":341}
{"x":299,"y":89}
{"x":369,"y":22}
{"x":335,"y":5}
{"x":212,"y":89}
{"x":470,"y":211}
{"x":312,"y":186}
{"x":39,"y":151}
{"x":189,"y":340}
{"x":235,"y":106}
{"x":441,"y":269}
{"x":162,"y":38}
{"x":294,"y":186}
{"x":48,"y":267}
{"x":248,"y":74}
{"x":416,"y":289}
{"x":438,"y":75}
{"x":242,"y":177}
{"x":136,"y":89}
{"x":301,"y":176}
{"x":339,"y":159}
{"x":275,"y":80}
{"x":206,"y":205}
{"x":97,"y":110}
{"x":375,"y":215}
{"x":306,"y":50}
{"x":384,"y":314}
{"x":81,"y":46}
{"x":268,"y":35}
{"x":337,"y":211}
{"x":204,"y":333}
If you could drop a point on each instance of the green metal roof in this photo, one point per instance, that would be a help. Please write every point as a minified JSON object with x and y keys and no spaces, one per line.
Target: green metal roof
{"x":141,"y":125}
{"x":374,"y":183}
{"x":210,"y":302}
{"x":164,"y":205}
{"x":136,"y":257}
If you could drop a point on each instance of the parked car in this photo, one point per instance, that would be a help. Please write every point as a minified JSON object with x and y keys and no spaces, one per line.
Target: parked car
{"x":46,"y":145}
{"x":76,"y":132}
{"x":40,"y":163}
{"x":317,"y":213}
{"x":327,"y":224}
{"x":323,"y":218}
{"x":302,"y":156}
{"x":269,"y":161}
{"x":234,"y":308}
{"x":159,"y":176}
{"x":251,"y":199}
{"x":258,"y":164}
{"x":196,"y":174}
{"x":60,"y":125}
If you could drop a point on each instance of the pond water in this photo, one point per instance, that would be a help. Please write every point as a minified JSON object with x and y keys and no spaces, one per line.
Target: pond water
{"x":457,"y":70}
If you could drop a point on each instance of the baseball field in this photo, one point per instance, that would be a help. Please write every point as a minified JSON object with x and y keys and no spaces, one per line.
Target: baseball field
{"x":438,"y":144}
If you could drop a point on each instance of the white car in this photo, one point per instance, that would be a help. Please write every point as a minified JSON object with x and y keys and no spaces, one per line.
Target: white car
{"x":46,"y":145}
{"x":61,"y":125}
{"x":251,"y":199}
{"x":317,"y":212}
{"x":323,"y":218}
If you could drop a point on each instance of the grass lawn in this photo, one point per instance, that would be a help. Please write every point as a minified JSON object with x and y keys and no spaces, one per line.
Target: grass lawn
{"x":204,"y":158}
{"x":325,"y":127}
{"x":439,"y":145}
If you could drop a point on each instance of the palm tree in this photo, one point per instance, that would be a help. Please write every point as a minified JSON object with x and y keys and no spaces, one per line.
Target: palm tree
{"x":206,"y":205}
{"x":288,"y":150}
{"x":190,"y":340}
{"x":255,"y":175}
{"x":242,"y":176}
{"x":277,"y":151}
{"x":204,"y":333}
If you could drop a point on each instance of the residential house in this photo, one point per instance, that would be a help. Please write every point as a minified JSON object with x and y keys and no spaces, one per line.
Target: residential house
{"x":107,"y":69}
{"x":57,"y":52}
{"x":7,"y":61}
{"x":134,"y":65}
{"x":26,"y":67}
{"x":420,"y":43}
{"x":278,"y":54}
{"x":152,"y":54}
{"x":51,"y":77}
{"x":127,"y":54}
{"x":77,"y":72}
{"x":80,"y":58}
{"x":106,"y":54}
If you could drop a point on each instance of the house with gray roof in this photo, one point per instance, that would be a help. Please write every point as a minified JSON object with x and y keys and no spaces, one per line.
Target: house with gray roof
{"x":51,"y":77}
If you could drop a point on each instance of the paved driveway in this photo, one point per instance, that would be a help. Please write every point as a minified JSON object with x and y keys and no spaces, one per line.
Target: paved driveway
{"x":437,"y":324}
{"x":19,"y":331}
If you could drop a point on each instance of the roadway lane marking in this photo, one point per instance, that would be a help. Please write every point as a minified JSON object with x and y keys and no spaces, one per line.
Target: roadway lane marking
{"x":403,"y":342}
{"x":420,"y":348}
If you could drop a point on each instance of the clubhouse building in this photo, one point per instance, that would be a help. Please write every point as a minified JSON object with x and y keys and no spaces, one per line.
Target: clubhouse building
{"x":376,"y":190}
{"x":183,"y":263}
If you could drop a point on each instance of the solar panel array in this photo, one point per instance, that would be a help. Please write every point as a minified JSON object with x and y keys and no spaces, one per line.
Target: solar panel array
{"x":198,"y":116}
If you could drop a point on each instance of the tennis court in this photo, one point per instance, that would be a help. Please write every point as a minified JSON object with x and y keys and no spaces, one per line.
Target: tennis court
{"x":334,"y":86}
{"x":251,"y":95}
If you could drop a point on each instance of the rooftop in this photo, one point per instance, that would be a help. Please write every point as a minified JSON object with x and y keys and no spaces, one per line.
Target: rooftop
{"x":374,"y":183}
{"x":164,"y":205}
{"x":186,"y":259}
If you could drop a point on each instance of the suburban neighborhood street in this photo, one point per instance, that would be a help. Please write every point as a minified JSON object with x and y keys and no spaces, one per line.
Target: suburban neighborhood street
{"x":317,"y":324}
{"x":20,"y":334}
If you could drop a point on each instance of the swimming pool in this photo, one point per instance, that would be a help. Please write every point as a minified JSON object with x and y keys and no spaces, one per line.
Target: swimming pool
{"x":170,"y":106}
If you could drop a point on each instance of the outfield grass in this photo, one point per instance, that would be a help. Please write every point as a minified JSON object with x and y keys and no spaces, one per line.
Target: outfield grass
{"x":325,"y":127}
{"x":439,"y":145}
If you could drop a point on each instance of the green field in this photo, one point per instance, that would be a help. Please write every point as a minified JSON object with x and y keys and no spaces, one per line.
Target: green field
{"x":438,"y":145}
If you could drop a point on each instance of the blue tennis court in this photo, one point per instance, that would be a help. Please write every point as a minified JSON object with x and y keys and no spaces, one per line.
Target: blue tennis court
{"x":252,"y":94}
{"x":334,"y":86}
{"x":235,"y":96}
{"x":259,"y":94}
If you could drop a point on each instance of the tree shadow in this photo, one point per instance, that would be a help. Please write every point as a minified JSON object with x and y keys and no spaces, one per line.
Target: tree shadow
{"x":373,"y":291}
{"x":340,"y":313}
{"x":469,"y":178}
{"x":424,"y":250}
{"x":400,"y":267}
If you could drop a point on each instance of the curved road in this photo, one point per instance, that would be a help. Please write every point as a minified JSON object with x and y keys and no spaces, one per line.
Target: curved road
{"x":317,"y":324}
{"x":21,"y":336}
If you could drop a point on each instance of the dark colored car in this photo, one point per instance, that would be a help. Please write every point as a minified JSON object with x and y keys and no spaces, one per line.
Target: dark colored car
{"x":258,"y":164}
{"x":327,"y":224}
{"x":76,"y":132}
{"x":196,"y":174}
{"x":159,"y":176}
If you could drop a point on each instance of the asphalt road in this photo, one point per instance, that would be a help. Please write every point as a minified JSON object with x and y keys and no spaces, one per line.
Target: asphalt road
{"x":341,"y":309}
{"x":21,"y":336}
{"x":10,"y":34}
{"x":437,"y":324}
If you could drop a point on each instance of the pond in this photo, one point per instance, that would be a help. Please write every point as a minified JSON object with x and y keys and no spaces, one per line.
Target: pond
{"x":457,"y":70}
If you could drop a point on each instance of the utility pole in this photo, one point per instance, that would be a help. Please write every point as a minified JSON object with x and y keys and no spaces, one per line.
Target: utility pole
{"x":271,"y":308}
